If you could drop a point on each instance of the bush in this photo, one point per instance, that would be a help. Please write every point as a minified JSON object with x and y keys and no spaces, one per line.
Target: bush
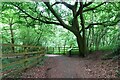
{"x":114,"y":55}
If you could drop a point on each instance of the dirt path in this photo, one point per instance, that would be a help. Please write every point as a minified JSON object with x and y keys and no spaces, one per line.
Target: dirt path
{"x":73,"y":67}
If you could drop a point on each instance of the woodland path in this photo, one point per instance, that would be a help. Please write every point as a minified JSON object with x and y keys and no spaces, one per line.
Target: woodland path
{"x":74,"y":67}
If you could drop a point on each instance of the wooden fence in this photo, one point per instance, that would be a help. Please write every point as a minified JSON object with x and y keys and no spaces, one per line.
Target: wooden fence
{"x":23,"y":57}
{"x":60,"y":50}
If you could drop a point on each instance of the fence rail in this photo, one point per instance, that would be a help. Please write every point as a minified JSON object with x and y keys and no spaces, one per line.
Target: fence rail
{"x":23,"y":57}
{"x":60,"y":50}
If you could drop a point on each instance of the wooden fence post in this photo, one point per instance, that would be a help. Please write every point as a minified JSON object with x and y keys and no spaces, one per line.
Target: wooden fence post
{"x":64,"y":49}
{"x":59,"y":49}
{"x":53,"y":50}
{"x":25,"y":56}
{"x":37,"y":54}
{"x":47,"y":50}
{"x":42,"y":57}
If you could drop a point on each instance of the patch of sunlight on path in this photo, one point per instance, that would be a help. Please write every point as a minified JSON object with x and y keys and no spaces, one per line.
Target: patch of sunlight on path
{"x":52,"y":55}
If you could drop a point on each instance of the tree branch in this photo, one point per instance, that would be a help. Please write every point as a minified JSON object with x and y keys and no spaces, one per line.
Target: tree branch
{"x":79,"y":11}
{"x":90,"y":25}
{"x":46,"y":21}
{"x":46,"y":17}
{"x":93,"y":7}
{"x":85,"y":5}
{"x":55,"y":3}
{"x":56,"y":15}
{"x":66,"y":4}
{"x":75,"y":5}
{"x":103,"y":23}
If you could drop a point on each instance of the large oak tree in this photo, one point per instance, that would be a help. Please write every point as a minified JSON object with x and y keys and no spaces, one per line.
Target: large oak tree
{"x":72,"y":17}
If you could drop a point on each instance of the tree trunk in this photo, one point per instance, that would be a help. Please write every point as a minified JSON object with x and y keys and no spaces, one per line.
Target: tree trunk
{"x":81,"y":45}
{"x":12,"y":37}
{"x":81,"y":40}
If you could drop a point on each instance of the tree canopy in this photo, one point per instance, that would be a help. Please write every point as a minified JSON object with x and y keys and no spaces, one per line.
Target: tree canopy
{"x":88,"y":25}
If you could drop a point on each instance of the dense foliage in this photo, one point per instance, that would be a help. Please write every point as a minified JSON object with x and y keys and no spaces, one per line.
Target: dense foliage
{"x":33,"y":23}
